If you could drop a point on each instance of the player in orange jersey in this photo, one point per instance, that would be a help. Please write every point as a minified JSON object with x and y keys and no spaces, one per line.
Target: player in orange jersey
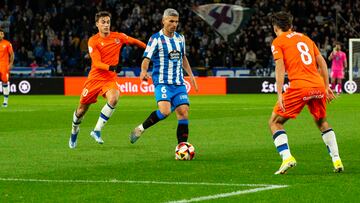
{"x":104,"y":50}
{"x":307,"y":71}
{"x":6,"y":63}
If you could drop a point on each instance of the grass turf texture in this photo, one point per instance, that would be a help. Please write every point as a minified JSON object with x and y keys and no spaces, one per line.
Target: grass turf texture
{"x":231,"y":138}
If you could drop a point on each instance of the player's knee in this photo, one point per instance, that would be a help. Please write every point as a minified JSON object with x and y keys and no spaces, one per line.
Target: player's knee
{"x":113,"y":101}
{"x":272,"y":123}
{"x":165,"y":112}
{"x":82,"y":109}
{"x":183,"y":114}
{"x":276,"y":121}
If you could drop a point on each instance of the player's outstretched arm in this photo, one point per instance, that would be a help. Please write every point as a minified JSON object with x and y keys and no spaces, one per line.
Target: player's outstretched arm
{"x":144,"y":69}
{"x":280,"y":74}
{"x":136,"y":42}
{"x":323,"y":70}
{"x":188,"y":70}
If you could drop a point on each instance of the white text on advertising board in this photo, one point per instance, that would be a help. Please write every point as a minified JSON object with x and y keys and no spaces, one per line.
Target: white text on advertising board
{"x":129,"y":87}
{"x":268,"y":87}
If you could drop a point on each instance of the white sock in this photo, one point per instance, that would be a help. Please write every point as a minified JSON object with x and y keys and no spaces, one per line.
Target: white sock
{"x":105,"y":114}
{"x":281,"y":143}
{"x":75,"y":123}
{"x":141,"y":127}
{"x":6,"y":99}
{"x":6,"y":93}
{"x":331,"y":144}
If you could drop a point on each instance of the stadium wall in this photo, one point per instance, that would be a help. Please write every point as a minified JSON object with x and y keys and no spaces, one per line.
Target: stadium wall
{"x":72,"y":86}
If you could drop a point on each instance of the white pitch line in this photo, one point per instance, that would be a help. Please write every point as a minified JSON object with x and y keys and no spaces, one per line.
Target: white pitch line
{"x":222,"y":195}
{"x":195,"y":199}
{"x":137,"y":182}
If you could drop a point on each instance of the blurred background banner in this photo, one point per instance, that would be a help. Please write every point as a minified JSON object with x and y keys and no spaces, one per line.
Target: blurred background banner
{"x":25,"y":86}
{"x":133,"y":86}
{"x":225,"y":19}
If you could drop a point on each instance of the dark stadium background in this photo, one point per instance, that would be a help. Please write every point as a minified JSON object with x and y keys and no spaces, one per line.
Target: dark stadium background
{"x":54,"y":34}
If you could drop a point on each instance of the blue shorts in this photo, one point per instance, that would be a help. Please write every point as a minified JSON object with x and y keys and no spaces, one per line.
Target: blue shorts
{"x":175,"y":94}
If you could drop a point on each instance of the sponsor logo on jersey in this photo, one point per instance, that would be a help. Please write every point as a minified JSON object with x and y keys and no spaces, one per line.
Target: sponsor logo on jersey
{"x":174,"y":55}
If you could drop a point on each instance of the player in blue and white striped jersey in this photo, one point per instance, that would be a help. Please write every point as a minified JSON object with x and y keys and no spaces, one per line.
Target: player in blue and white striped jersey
{"x":166,"y":49}
{"x":166,"y":52}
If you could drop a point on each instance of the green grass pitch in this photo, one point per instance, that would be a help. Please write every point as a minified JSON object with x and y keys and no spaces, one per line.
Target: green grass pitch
{"x":235,"y":155}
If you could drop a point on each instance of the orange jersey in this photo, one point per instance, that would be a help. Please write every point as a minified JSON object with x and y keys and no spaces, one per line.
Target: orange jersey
{"x":5,"y":51}
{"x":299,"y":54}
{"x":105,"y":52}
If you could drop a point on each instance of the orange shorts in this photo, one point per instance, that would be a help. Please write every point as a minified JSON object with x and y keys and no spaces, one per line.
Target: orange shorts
{"x":296,"y":99}
{"x":4,"y":75}
{"x":93,"y":88}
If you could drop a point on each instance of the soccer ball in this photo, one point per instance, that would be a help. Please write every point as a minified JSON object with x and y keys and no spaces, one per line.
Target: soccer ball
{"x":184,"y":151}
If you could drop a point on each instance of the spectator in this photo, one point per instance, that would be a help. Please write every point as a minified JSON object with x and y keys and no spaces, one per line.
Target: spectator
{"x":33,"y":65}
{"x":22,"y":57}
{"x":36,"y":29}
{"x":51,"y":66}
{"x":59,"y":70}
{"x":49,"y":56}
{"x":250,"y":58}
{"x":39,"y":52}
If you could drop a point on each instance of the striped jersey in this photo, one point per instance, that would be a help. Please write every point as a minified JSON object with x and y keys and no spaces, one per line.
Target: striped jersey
{"x":167,"y":56}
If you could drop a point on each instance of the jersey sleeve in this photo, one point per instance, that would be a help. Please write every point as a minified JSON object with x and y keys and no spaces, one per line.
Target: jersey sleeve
{"x":123,"y":37}
{"x":10,"y":48}
{"x":96,"y":56}
{"x":136,"y":42}
{"x":151,"y":47}
{"x":184,"y":44}
{"x":344,"y":56}
{"x":316,"y":50}
{"x":276,"y":50}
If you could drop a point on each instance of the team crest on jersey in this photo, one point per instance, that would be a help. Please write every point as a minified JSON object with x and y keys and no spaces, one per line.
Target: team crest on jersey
{"x":117,"y":40}
{"x":174,"y":55}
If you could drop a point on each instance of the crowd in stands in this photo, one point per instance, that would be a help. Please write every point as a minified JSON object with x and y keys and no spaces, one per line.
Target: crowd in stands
{"x":54,"y":33}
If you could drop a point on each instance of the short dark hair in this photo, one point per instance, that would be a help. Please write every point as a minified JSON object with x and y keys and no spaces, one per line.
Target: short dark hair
{"x":101,"y":14}
{"x":1,"y":29}
{"x":283,"y":20}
